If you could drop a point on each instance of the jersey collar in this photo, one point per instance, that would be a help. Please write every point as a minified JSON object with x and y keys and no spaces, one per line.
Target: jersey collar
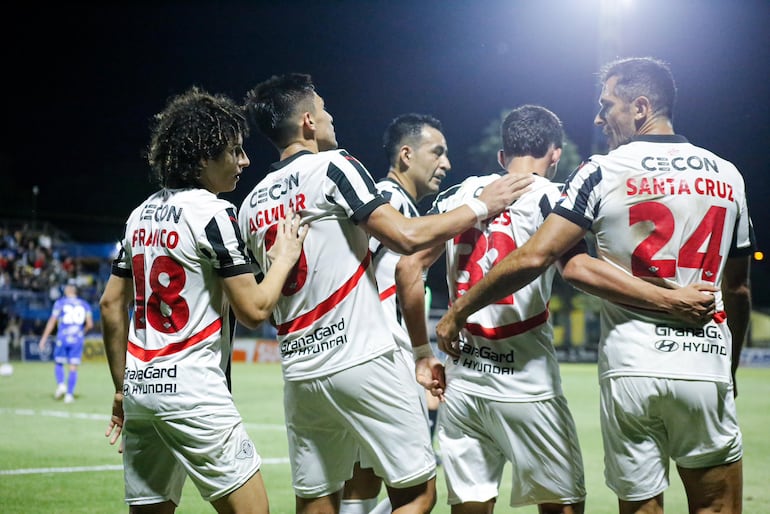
{"x":658,"y":138}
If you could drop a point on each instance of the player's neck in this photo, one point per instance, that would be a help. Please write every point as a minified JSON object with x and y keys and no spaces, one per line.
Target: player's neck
{"x":298,"y":146}
{"x":656,"y":126}
{"x":403,"y":181}
{"x":529,"y":164}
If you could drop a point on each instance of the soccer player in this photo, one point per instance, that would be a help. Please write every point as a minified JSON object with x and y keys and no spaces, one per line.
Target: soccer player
{"x":72,"y":317}
{"x":419,"y":161}
{"x":347,"y":390}
{"x":672,"y":213}
{"x":183,"y":265}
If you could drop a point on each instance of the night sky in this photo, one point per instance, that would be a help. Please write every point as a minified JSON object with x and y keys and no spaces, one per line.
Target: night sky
{"x":80,"y":83}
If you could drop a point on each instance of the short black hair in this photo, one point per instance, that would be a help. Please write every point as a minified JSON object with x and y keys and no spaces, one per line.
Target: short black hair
{"x":643,"y":76}
{"x":271,"y":104}
{"x":530,"y":130}
{"x":404,"y":127}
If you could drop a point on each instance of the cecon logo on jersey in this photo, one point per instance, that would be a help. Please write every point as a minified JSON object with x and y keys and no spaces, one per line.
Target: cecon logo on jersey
{"x":274,"y":191}
{"x":693,"y":162}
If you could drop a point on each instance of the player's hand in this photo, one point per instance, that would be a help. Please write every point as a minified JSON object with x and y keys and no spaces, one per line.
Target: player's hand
{"x":289,"y":239}
{"x":448,"y":333}
{"x":41,"y":343}
{"x":115,"y":426}
{"x":693,"y":304}
{"x":502,"y":192}
{"x":429,"y":373}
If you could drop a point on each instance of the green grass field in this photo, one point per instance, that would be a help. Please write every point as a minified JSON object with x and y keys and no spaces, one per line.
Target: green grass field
{"x":54,"y":457}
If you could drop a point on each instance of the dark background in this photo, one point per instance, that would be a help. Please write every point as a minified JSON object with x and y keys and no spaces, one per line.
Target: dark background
{"x":82,"y":80}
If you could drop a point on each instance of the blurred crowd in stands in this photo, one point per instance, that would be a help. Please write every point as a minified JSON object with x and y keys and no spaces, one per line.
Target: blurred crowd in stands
{"x":36,"y":261}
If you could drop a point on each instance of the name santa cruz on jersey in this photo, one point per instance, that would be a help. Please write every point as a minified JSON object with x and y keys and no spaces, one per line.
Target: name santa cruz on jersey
{"x":666,"y":211}
{"x":329,"y":315}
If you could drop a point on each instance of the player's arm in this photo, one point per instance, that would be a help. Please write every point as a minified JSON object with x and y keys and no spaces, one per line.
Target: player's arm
{"x":736,"y":294}
{"x":49,"y":326}
{"x":408,"y":235}
{"x":520,"y":267}
{"x":253,"y":303}
{"x":89,"y":321}
{"x":410,"y":288}
{"x":114,"y":306}
{"x":692,"y":304}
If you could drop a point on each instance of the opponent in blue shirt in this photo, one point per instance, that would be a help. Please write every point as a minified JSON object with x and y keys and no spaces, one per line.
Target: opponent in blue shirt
{"x":74,"y":318}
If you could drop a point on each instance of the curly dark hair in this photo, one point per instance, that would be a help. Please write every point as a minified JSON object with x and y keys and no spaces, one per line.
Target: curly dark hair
{"x":194,"y":126}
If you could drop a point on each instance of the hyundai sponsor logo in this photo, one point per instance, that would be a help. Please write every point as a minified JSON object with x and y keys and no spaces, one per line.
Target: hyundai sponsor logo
{"x":666,"y":345}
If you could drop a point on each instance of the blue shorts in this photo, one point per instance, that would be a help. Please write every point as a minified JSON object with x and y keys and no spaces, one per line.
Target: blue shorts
{"x":68,"y":353}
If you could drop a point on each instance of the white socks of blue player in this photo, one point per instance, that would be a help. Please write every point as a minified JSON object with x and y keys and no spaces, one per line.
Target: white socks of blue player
{"x":368,"y":506}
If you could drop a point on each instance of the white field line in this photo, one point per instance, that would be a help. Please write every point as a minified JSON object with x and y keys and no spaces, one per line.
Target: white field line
{"x":110,"y":467}
{"x":105,"y":418}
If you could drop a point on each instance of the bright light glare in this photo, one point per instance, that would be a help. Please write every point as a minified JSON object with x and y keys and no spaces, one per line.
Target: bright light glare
{"x":758,"y":256}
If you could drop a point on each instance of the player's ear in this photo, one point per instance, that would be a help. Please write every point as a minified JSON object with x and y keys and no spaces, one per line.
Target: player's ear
{"x":307,"y":120}
{"x":405,"y":155}
{"x":642,"y":108}
{"x":501,"y":158}
{"x":307,"y":125}
{"x":556,"y":156}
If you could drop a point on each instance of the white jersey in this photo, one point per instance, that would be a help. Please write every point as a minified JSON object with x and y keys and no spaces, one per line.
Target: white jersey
{"x":507,"y":352}
{"x":385,"y":261}
{"x":664,"y":210}
{"x":178,"y":246}
{"x":329,"y":316}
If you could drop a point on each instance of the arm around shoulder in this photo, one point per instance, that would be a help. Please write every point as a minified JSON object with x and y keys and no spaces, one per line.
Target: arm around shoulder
{"x":253,"y":303}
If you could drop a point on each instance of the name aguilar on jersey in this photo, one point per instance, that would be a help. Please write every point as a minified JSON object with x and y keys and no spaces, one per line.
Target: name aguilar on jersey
{"x":275,"y":192}
{"x":681,"y":339}
{"x":319,"y":340}
{"x":472,"y":354}
{"x":153,"y":380}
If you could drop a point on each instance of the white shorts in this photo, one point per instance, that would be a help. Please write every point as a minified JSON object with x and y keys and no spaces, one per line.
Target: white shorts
{"x":647,"y":421}
{"x":213,"y":450}
{"x":478,"y":436}
{"x":371,"y":411}
{"x":422,"y":393}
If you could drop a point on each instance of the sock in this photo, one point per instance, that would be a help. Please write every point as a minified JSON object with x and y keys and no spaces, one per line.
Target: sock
{"x":383,"y":507}
{"x":58,"y":373}
{"x":72,"y":379}
{"x":357,"y":506}
{"x":432,"y":415}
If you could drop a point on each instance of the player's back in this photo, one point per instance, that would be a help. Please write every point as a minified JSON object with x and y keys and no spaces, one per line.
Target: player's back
{"x":329,"y":315}
{"x":667,"y":211}
{"x":71,"y":313}
{"x":180,"y":243}
{"x":507,"y":353}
